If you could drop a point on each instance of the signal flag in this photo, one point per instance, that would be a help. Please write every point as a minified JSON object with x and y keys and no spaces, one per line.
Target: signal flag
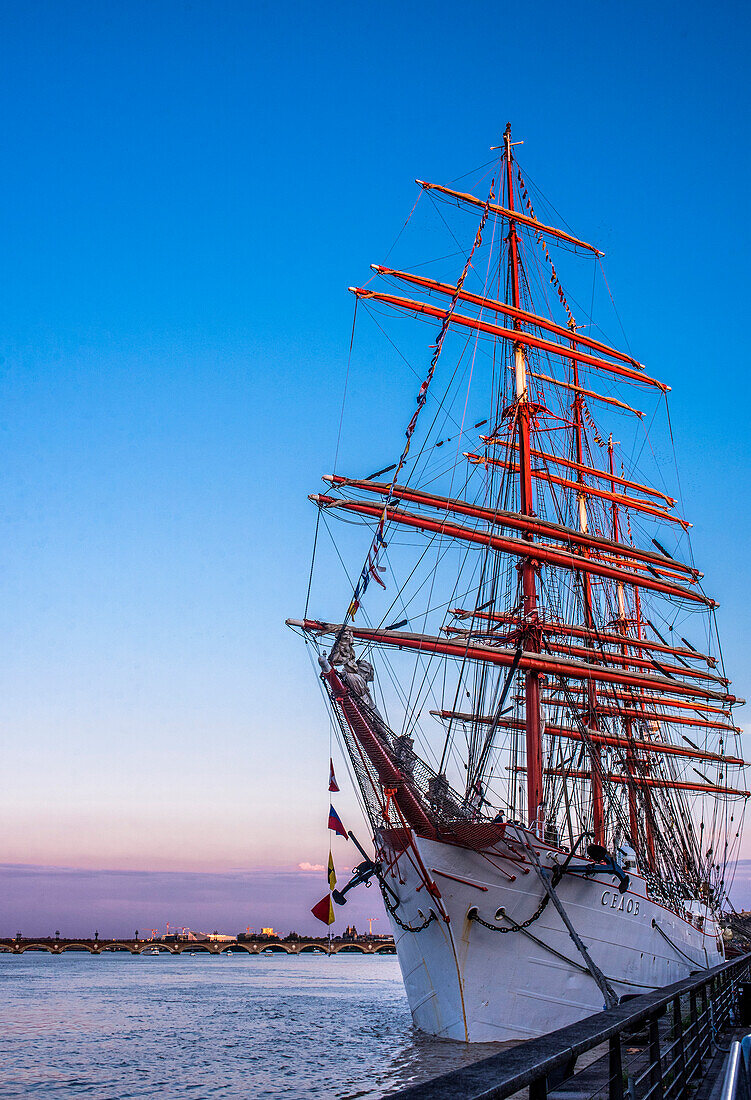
{"x":324,"y":910}
{"x":335,"y":823}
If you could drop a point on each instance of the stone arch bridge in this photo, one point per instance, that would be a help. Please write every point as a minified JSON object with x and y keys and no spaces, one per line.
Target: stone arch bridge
{"x":363,"y":945}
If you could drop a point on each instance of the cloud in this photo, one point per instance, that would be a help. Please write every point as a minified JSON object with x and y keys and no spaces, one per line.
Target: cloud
{"x":311,"y":867}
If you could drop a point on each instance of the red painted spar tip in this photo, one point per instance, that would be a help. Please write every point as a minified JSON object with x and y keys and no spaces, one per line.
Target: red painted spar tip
{"x":590,"y":471}
{"x":528,"y":551}
{"x":507,"y":310}
{"x":530,"y":661}
{"x":627,"y":744}
{"x":513,"y":215}
{"x":516,"y":335}
{"x":561,"y":629}
{"x":644,"y":781}
{"x":502,"y":518}
{"x":632,"y":504}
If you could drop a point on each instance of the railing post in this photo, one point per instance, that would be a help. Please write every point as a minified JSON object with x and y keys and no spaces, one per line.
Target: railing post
{"x":615,"y":1068}
{"x":672,"y":1056}
{"x":696,"y":1050}
{"x":729,"y":998}
{"x":680,"y":1060}
{"x":720,"y":1001}
{"x":711,"y":1013}
{"x":538,"y":1090}
{"x":706,"y":1030}
{"x":655,"y":1059}
{"x":735,"y":992}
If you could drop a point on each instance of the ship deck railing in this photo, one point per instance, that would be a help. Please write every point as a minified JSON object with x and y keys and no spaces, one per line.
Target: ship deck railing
{"x":666,"y":1045}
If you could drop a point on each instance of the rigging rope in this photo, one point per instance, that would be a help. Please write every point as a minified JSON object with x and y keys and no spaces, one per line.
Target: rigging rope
{"x":543,"y":245}
{"x":548,"y":883}
{"x":665,"y":936}
{"x":370,"y":569}
{"x":590,"y":420}
{"x":346,"y":382}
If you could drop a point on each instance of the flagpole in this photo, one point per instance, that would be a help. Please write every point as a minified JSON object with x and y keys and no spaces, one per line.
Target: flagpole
{"x":332,"y":780}
{"x":332,"y":784}
{"x":324,"y":909}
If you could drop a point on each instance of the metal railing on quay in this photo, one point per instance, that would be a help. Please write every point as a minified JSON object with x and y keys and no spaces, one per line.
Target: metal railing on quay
{"x":653,"y":1047}
{"x":735,"y":1085}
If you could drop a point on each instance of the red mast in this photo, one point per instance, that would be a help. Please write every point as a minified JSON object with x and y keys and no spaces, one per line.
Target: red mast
{"x":598,"y":812}
{"x":648,"y":815}
{"x":634,"y":767}
{"x":633,"y":814}
{"x":527,"y":568}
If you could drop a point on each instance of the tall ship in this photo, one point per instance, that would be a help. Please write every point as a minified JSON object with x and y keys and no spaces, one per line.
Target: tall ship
{"x":525,"y":674}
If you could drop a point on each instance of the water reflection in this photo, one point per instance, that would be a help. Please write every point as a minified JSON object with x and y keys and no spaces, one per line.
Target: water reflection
{"x":119,"y":1026}
{"x":424,"y":1056}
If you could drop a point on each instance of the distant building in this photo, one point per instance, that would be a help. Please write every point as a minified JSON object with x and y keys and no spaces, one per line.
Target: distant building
{"x":268,"y":932}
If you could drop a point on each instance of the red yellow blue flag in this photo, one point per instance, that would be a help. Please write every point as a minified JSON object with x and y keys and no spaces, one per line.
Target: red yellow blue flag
{"x":333,"y":785}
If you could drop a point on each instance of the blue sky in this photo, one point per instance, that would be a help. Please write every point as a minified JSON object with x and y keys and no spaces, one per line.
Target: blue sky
{"x":187,"y":191}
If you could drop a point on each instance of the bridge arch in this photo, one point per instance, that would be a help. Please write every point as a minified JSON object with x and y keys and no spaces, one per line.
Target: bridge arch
{"x":275,"y":948}
{"x":385,"y":949}
{"x":36,"y":947}
{"x":350,"y":948}
{"x":313,"y":949}
{"x":118,"y":947}
{"x":77,"y":947}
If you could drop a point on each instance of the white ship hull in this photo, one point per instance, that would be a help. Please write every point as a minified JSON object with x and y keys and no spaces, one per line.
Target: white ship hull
{"x":466,"y":982}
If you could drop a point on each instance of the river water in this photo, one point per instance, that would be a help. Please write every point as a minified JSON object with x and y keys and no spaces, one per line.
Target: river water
{"x":115,"y":1026}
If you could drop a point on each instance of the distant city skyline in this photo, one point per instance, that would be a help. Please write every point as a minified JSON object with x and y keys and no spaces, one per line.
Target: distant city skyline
{"x":38,"y":901}
{"x":188,"y":192}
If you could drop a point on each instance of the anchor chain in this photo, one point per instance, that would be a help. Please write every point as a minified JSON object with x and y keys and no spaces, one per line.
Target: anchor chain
{"x":407,"y":927}
{"x":475,"y":916}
